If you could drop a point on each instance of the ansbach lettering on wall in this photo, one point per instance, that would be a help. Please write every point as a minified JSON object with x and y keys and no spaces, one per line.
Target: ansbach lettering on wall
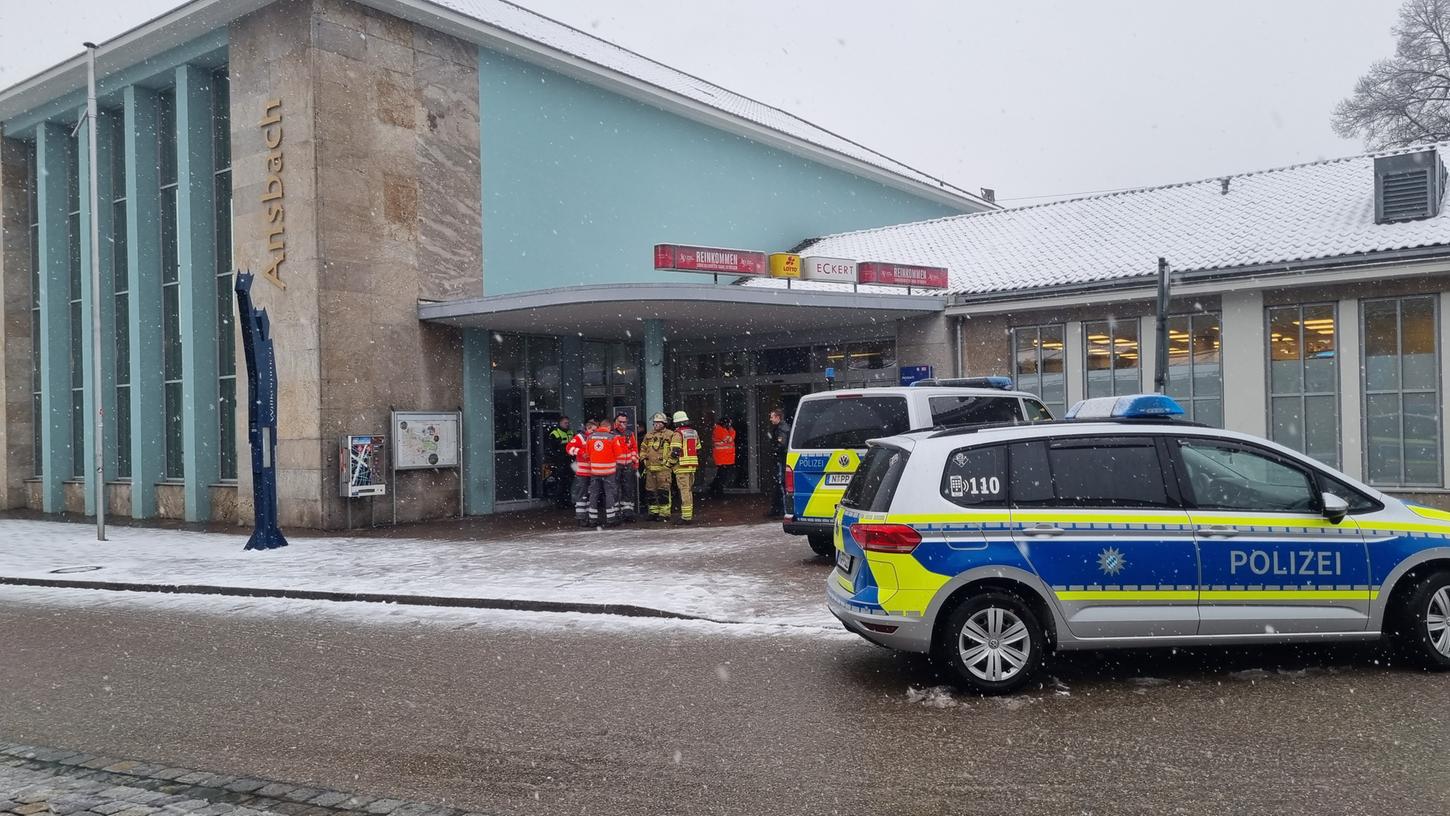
{"x":272,"y":193}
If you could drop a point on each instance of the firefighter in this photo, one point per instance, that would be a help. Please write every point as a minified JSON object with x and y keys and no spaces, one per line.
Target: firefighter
{"x":685,"y":460}
{"x":627,"y":471}
{"x":603,"y":449}
{"x":723,"y":451}
{"x":655,"y":454}
{"x":579,"y":490}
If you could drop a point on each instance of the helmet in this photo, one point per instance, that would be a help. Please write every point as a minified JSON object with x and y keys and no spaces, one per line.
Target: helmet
{"x":659,"y":417}
{"x":681,"y":416}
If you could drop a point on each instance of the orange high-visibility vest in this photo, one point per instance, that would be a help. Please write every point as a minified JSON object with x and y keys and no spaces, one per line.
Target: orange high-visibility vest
{"x":626,"y":448}
{"x":601,"y":448}
{"x":724,"y":446}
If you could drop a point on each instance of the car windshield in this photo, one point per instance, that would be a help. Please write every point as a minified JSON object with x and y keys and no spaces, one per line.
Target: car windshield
{"x":848,"y":421}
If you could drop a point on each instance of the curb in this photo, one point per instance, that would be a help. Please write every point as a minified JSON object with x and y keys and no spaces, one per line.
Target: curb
{"x":507,"y":604}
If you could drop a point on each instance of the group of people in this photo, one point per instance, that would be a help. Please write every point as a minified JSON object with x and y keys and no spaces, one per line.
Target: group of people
{"x":600,"y":468}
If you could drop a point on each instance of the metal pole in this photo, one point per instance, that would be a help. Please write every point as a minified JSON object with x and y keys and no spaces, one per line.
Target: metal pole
{"x":1160,"y":362}
{"x":100,"y":445}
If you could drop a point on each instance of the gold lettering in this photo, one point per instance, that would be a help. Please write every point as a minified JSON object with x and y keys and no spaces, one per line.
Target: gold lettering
{"x":268,"y":117}
{"x":272,"y":191}
{"x":274,"y":213}
{"x":273,"y":271}
{"x":274,"y":188}
{"x":273,"y":137}
{"x":274,"y":162}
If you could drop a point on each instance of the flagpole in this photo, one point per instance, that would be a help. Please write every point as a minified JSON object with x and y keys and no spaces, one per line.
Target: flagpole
{"x":98,"y":398}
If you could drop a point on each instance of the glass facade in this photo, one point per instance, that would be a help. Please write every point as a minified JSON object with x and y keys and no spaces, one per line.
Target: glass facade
{"x":1304,"y":379}
{"x":1401,"y":391}
{"x":120,"y":272}
{"x":1037,"y":364}
{"x":226,"y":320}
{"x":74,"y":315}
{"x":1111,"y":358}
{"x":1195,"y":369}
{"x":32,"y":189}
{"x":170,"y":288}
{"x":526,"y":399}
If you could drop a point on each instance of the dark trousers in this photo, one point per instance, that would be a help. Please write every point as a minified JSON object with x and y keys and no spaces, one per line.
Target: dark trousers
{"x":604,"y":492}
{"x":579,"y":492}
{"x":628,"y":489}
{"x":778,"y":498}
{"x":724,"y":475}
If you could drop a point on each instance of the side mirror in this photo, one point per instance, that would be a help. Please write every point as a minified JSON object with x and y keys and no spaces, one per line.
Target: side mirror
{"x":1335,"y":508}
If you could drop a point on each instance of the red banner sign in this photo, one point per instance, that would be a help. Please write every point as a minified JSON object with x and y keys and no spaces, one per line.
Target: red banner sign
{"x":710,"y":259}
{"x":889,"y":274}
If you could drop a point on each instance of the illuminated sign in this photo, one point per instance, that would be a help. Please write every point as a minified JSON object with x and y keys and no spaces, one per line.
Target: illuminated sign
{"x":832,"y":270}
{"x":889,"y":274}
{"x":709,"y":260}
{"x":785,"y":265}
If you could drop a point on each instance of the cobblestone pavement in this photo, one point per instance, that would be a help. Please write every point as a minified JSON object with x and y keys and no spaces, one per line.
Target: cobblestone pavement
{"x":37,"y":781}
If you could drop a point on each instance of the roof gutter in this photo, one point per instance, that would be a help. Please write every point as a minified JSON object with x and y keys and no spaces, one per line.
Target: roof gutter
{"x":1388,"y":264}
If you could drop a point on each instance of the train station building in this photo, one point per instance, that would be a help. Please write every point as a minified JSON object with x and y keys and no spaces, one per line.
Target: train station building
{"x":459,"y":206}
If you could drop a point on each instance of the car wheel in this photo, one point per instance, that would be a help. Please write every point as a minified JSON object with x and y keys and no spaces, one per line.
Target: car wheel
{"x":822,"y":545}
{"x":993,"y":643}
{"x":1422,"y":622}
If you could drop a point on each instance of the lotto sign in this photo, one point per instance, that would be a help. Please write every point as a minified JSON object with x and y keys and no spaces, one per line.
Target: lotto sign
{"x":890,"y":274}
{"x":709,"y":260}
{"x":785,"y":265}
{"x":831,"y":270}
{"x":360,"y":466}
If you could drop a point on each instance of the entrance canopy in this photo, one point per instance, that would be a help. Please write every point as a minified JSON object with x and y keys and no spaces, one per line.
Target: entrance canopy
{"x":688,"y":311}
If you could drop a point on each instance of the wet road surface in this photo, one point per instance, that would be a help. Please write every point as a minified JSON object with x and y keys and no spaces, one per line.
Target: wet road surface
{"x":484,"y":711}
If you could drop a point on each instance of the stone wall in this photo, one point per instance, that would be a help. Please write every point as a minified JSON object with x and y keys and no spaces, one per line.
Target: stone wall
{"x":382,"y":209}
{"x":17,"y":461}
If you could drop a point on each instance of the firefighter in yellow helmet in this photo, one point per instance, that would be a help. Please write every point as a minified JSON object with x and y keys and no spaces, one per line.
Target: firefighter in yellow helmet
{"x":685,"y":459}
{"x":654,"y":454}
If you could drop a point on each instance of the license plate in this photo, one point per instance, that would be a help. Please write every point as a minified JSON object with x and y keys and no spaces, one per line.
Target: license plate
{"x":844,"y":561}
{"x":838,"y":479}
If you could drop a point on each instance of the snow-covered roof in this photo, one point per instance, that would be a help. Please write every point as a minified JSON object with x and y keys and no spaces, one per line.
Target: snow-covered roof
{"x":585,"y":46}
{"x":1322,"y":210}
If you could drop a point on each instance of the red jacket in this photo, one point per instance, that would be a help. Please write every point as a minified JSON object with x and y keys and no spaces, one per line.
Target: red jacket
{"x":626,"y":449}
{"x":602,"y":450}
{"x":724,"y":446}
{"x":576,"y":450}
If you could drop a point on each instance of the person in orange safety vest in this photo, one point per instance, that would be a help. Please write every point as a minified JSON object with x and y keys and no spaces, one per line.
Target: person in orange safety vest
{"x":627,"y":471}
{"x":602,"y":447}
{"x":579,"y":490}
{"x":723,"y":448}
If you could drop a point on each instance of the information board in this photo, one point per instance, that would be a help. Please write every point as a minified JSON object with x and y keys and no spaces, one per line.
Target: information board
{"x":426,"y":439}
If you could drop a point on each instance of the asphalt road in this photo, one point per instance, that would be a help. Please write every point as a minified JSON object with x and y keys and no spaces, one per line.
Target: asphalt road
{"x":664,"y":719}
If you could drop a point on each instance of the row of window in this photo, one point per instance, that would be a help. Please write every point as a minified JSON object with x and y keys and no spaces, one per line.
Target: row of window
{"x":111,"y":129}
{"x":1401,"y":384}
{"x":867,"y":355}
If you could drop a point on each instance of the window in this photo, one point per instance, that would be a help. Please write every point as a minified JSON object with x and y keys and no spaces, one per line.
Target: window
{"x":121,"y":292}
{"x":170,"y":289}
{"x":969,"y":410}
{"x":1111,"y":358}
{"x":796,"y":360}
{"x":1303,"y":380}
{"x":1227,"y":476}
{"x":1106,"y":473}
{"x":847,"y":422}
{"x":1036,"y":411}
{"x":226,"y":319}
{"x":976,"y":477}
{"x":1358,"y":502}
{"x":32,"y":180}
{"x":1037,"y":364}
{"x":77,"y":339}
{"x":1195,"y":373}
{"x":1401,"y":391}
{"x":874,"y":484}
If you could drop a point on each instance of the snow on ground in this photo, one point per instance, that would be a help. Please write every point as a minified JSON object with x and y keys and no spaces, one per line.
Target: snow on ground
{"x":738,"y":574}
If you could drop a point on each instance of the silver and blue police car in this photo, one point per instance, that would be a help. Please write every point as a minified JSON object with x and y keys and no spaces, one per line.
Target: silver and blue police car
{"x":1124,"y":526}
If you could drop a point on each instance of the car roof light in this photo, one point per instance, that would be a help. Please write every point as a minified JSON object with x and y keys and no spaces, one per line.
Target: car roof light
{"x":999,"y":382}
{"x":1132,"y":406}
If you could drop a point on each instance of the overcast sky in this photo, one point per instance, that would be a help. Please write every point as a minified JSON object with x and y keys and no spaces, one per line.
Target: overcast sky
{"x":1031,"y":97}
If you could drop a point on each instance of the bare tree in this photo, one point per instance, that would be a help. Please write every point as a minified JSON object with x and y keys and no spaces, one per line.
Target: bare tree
{"x":1405,"y":99}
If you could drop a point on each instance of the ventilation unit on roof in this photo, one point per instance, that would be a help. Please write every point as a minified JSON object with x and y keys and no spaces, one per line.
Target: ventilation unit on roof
{"x":1408,"y":187}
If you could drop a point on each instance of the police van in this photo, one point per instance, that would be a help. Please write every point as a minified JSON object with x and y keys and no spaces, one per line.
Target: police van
{"x":1124,"y":526}
{"x":830,"y":431}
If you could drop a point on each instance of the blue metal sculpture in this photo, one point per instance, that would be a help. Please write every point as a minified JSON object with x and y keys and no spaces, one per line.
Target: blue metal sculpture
{"x":261,"y":416}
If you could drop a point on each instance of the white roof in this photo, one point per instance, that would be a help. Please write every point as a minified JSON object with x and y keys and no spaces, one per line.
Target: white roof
{"x":1305,"y":212}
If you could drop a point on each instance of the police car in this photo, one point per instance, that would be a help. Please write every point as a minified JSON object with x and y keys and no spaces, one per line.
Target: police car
{"x":1125,"y":527}
{"x":830,"y":431}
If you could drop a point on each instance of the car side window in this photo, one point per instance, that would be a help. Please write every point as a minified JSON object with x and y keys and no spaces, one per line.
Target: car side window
{"x":1107,"y":472}
{"x":1357,"y":501}
{"x":1228,"y":476}
{"x":1036,"y":411}
{"x":976,"y":477}
{"x":962,"y":409}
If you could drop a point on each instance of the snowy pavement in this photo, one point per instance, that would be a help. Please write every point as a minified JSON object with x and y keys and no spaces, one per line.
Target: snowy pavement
{"x":750,"y":574}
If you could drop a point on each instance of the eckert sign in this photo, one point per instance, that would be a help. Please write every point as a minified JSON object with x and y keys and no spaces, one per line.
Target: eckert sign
{"x":832,"y":270}
{"x":889,"y":274}
{"x":709,"y":259}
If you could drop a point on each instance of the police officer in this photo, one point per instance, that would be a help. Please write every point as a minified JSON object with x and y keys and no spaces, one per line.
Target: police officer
{"x":603,"y":450}
{"x":627,"y":472}
{"x":654,"y":452}
{"x":579,"y":490}
{"x":779,"y":437}
{"x":685,"y":459}
{"x":556,"y":454}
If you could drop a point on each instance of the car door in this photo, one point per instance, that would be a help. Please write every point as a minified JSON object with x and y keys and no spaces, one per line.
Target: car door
{"x":1270,"y":561}
{"x":1100,"y":521}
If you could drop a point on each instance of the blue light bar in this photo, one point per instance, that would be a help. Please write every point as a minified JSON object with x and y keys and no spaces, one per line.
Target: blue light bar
{"x":1133,"y":406}
{"x":998,"y":382}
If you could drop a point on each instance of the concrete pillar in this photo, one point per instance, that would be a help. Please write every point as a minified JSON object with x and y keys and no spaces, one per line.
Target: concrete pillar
{"x":571,"y":379}
{"x":16,"y":423}
{"x":143,"y":265}
{"x":88,"y":299}
{"x":1074,"y":362}
{"x":1346,"y":352}
{"x":196,"y":251}
{"x":654,"y":366}
{"x":1148,"y":351}
{"x":478,"y":488}
{"x":52,"y":147}
{"x":1243,"y":358}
